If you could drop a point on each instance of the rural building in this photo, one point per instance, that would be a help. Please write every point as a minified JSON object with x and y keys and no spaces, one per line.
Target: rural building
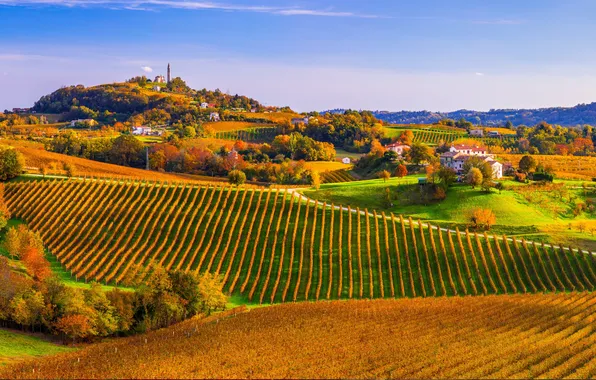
{"x":140,"y":131}
{"x":346,"y":160}
{"x":299,"y":120}
{"x":398,"y":148}
{"x":204,"y":105}
{"x":476,"y":132}
{"x":494,"y":134}
{"x":456,"y":160}
{"x":160,"y":79}
{"x":156,"y":88}
{"x":87,"y":122}
{"x":21,"y":110}
{"x":473,"y":150}
{"x":214,"y":116}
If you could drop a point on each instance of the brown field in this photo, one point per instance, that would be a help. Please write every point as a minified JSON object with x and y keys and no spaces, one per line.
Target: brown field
{"x":520,"y":336}
{"x":225,"y":126}
{"x":566,"y":167}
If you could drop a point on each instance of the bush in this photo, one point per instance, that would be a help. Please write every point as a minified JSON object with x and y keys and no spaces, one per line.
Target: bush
{"x":237,"y":177}
{"x":543,"y":177}
{"x":483,"y":217}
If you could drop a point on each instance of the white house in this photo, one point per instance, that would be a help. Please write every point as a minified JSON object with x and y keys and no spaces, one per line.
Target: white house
{"x":457,"y":160}
{"x":476,"y":132}
{"x":398,"y":148}
{"x":494,"y":134}
{"x":214,"y":116}
{"x":156,"y":88}
{"x":346,"y":160}
{"x":160,"y":79}
{"x":139,"y":131}
{"x":204,"y":105}
{"x":472,"y":150}
{"x":87,"y":122}
{"x":299,"y":120}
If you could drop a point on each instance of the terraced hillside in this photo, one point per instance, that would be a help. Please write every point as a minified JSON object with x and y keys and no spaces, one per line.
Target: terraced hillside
{"x":272,"y":247}
{"x":336,"y":176}
{"x":511,"y":336}
{"x":257,"y":134}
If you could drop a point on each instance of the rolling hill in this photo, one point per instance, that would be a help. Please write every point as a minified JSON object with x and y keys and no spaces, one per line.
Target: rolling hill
{"x":519,"y":336}
{"x":271,"y":246}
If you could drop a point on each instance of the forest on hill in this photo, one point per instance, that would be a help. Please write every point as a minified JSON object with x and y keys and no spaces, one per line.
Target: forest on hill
{"x":566,"y":116}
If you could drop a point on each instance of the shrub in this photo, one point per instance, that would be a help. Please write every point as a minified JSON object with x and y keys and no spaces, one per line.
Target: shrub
{"x":236,"y":177}
{"x":474,"y":177}
{"x":483,"y":217}
{"x":12,"y":163}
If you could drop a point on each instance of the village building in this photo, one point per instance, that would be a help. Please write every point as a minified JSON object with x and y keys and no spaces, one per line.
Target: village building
{"x":160,"y":79}
{"x":204,"y":105}
{"x":494,"y":134}
{"x":477,"y":132}
{"x":346,"y":160}
{"x":398,"y":148}
{"x":141,"y":131}
{"x":156,"y":88}
{"x":214,"y":116}
{"x":85,"y":122}
{"x":459,"y":154}
{"x":299,"y":120}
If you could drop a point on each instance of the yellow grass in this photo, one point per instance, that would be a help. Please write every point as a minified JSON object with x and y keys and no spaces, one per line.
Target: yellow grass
{"x":276,"y":117}
{"x":326,"y":166}
{"x":503,"y":131}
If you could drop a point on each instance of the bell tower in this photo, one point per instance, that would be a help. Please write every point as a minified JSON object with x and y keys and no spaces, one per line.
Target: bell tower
{"x":169,"y":73}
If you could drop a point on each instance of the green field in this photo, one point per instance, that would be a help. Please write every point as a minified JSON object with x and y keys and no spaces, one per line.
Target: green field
{"x":269,"y":246}
{"x":15,"y":346}
{"x":515,"y":215}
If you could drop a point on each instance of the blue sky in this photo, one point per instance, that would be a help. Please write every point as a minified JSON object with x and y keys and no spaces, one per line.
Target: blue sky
{"x":311,"y":55}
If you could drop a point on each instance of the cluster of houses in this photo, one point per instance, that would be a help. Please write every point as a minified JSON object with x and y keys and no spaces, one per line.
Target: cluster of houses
{"x":457,"y":156}
{"x":479,"y":132}
{"x":146,"y":131}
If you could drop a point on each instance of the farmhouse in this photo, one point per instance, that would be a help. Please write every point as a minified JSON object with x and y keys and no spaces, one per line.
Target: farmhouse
{"x":299,"y":120}
{"x":86,"y":122}
{"x":476,"y":132}
{"x":214,"y":116}
{"x":346,"y":160}
{"x":156,"y":88}
{"x":456,"y":160}
{"x":398,"y":148}
{"x":160,"y":79}
{"x":472,"y":150}
{"x":141,"y":131}
{"x":494,"y":134}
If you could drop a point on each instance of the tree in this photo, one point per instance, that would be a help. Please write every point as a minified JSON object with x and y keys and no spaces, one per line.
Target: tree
{"x":401,"y":171}
{"x":527,"y":164}
{"x":487,"y":184}
{"x":12,"y":163}
{"x":483,"y":217}
{"x":75,"y":326}
{"x":190,"y":132}
{"x":446,"y":176}
{"x":237,"y":177}
{"x":419,"y":153}
{"x":210,"y":292}
{"x":37,"y":265}
{"x":127,"y":150}
{"x":69,"y":169}
{"x":474,"y":177}
{"x":315,"y":179}
{"x":386,"y":201}
{"x":385,"y":175}
{"x":43,"y":170}
{"x":499,"y":186}
{"x":477,"y":162}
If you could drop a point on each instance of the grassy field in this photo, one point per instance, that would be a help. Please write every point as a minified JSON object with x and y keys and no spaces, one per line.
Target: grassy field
{"x":515,"y":214}
{"x":520,"y":336}
{"x":271,"y":247}
{"x":16,"y":346}
{"x":566,"y":167}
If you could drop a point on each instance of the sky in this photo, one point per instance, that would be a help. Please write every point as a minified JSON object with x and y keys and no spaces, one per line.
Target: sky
{"x":436,"y":55}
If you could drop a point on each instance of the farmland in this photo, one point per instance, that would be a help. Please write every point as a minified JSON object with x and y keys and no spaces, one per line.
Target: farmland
{"x":568,"y":167}
{"x":16,"y":346}
{"x":271,"y":247}
{"x":253,"y":134}
{"x":519,"y":336}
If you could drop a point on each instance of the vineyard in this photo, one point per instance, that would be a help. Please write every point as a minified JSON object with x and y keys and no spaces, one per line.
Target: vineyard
{"x":516,"y":336}
{"x":428,"y":135}
{"x":259,"y":134}
{"x":270,"y":246}
{"x":572,"y":167}
{"x":337,"y":176}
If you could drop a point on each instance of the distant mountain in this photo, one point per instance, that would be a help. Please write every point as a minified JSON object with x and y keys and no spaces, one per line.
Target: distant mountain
{"x":566,"y":116}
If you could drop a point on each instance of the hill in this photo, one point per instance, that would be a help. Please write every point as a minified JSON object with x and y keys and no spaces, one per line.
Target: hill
{"x":566,"y":116}
{"x":521,"y":336}
{"x":272,"y":247}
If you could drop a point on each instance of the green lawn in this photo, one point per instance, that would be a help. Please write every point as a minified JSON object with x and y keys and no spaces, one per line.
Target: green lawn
{"x":16,"y":346}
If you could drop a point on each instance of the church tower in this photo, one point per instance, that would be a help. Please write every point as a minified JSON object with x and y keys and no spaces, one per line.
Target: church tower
{"x":169,"y":73}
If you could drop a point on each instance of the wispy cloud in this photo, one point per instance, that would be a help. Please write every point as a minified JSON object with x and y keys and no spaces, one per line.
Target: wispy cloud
{"x":501,"y":21}
{"x":153,"y":5}
{"x":147,"y":69}
{"x":479,"y":74}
